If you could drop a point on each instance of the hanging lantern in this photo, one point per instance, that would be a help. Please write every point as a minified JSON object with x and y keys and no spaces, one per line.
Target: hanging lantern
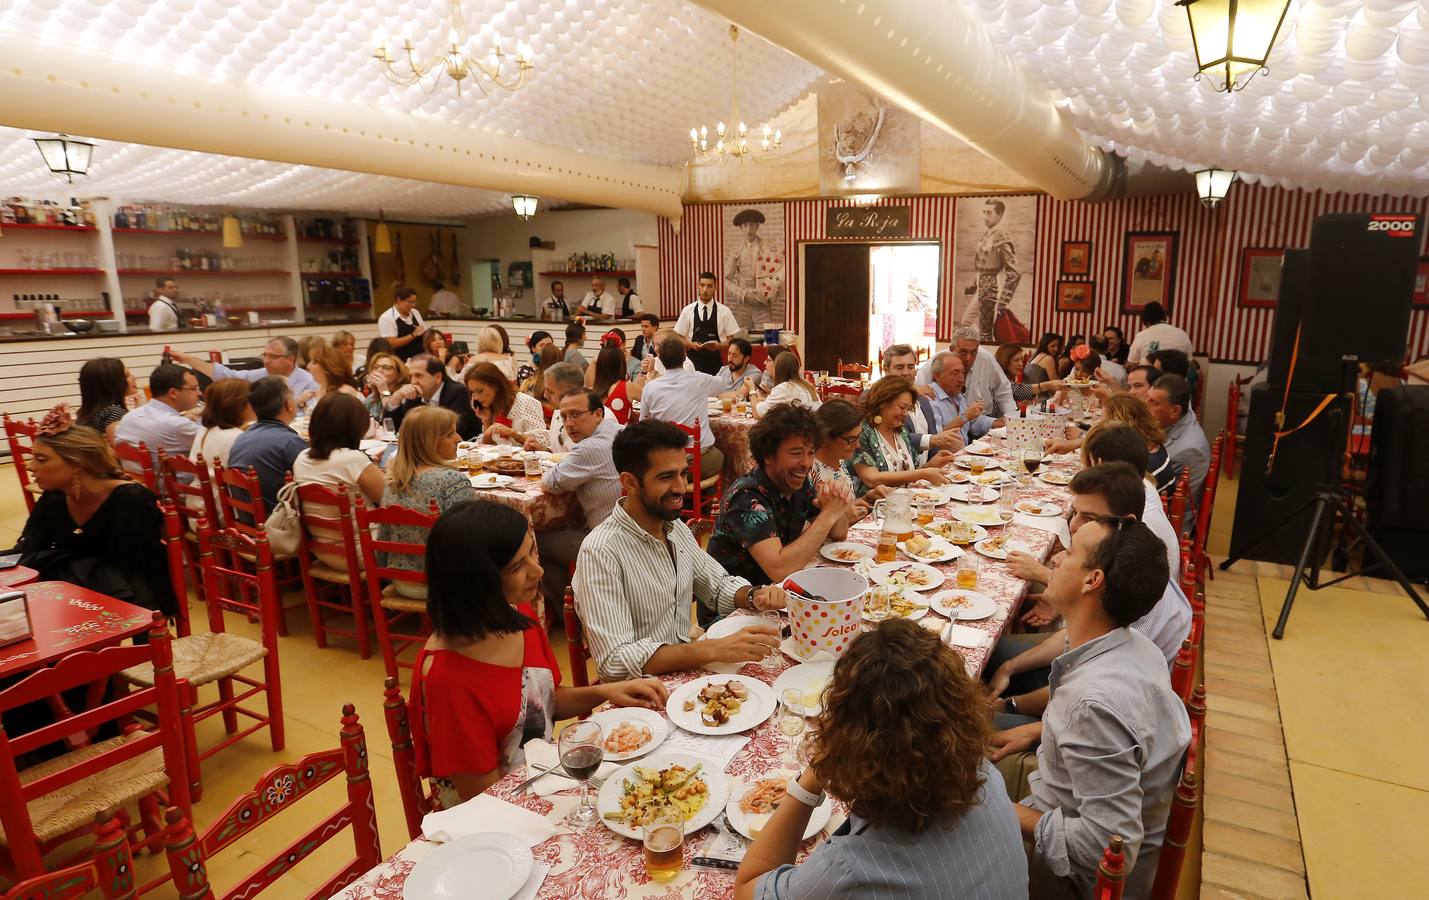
{"x":232,"y":231}
{"x":382,"y":240}
{"x":1212,"y":185}
{"x":1233,"y":37}
{"x":66,"y":156}
{"x":525,"y":205}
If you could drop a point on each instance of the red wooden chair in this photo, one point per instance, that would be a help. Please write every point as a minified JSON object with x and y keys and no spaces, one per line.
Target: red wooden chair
{"x":1183,"y":670}
{"x":1233,"y":435}
{"x":47,"y":805}
{"x":110,"y":870}
{"x":1178,"y":501}
{"x":190,"y":486}
{"x":276,"y":792}
{"x":1178,"y":833}
{"x":217,"y":657}
{"x":21,"y":438}
{"x":174,"y":550}
{"x":856,"y":369}
{"x":1111,"y":874}
{"x":416,"y":801}
{"x":405,"y":611}
{"x":138,"y":463}
{"x":326,"y":517}
{"x":240,"y":504}
{"x":1206,"y":508}
{"x":705,"y":491}
{"x":852,"y":392}
{"x":576,"y":647}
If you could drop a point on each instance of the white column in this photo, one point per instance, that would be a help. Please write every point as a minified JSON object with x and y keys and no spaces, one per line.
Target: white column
{"x":290,"y":262}
{"x":104,"y":221}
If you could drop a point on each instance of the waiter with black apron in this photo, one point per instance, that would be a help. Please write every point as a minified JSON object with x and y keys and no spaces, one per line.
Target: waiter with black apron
{"x":402,"y":325}
{"x":707,"y":326}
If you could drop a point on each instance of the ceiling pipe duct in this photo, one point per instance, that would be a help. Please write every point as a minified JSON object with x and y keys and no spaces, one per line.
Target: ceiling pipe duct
{"x":80,"y":90}
{"x":934,"y":59}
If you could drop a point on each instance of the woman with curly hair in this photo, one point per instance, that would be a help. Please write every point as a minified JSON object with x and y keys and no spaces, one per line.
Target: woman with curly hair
{"x":902,"y":739}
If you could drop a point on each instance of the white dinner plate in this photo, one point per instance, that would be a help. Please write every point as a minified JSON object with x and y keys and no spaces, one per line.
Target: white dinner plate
{"x":1037,"y":508}
{"x":978,"y":515}
{"x":979,"y":448}
{"x":943,"y":530}
{"x":917,"y":576}
{"x":985,"y":548}
{"x":964,"y":636}
{"x":750,"y":824}
{"x":1052,"y":476}
{"x":753,"y":710}
{"x":611,"y":719}
{"x":810,"y":679}
{"x":966,"y":462}
{"x":489,"y":481}
{"x":938,"y":552}
{"x":608,"y":800}
{"x":906,"y":593}
{"x":991,"y":478}
{"x":487,"y":866}
{"x":960,"y":492}
{"x":829,"y":551}
{"x":959,"y":604}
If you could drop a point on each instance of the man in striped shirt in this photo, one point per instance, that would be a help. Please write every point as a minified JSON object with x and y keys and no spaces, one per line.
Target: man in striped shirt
{"x":638,"y":571}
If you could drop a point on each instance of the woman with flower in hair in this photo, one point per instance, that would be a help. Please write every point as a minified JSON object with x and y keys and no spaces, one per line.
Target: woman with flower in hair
{"x":91,"y":526}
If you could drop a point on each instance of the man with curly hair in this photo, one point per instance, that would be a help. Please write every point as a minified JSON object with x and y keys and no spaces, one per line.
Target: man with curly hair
{"x":774,"y":519}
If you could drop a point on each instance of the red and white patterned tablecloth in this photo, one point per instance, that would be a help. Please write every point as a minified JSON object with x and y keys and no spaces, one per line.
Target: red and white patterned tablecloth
{"x":731,"y":431}
{"x":547,"y":511}
{"x":597,"y":864}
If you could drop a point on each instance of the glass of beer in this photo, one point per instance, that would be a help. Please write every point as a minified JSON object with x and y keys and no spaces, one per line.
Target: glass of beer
{"x":923,"y":507}
{"x":473,"y":462}
{"x":664,"y":840}
{"x":976,"y":465}
{"x":887,"y":550}
{"x":726,"y":404}
{"x":532,"y":464}
{"x":967,"y":571}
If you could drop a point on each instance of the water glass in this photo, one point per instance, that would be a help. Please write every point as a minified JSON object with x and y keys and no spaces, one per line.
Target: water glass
{"x":582,"y":752}
{"x":532,"y":464}
{"x":791,"y":722}
{"x":1005,"y":502}
{"x":773,"y":618}
{"x":389,"y":428}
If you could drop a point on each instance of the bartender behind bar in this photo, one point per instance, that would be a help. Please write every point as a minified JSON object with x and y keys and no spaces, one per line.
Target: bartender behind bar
{"x":164,"y":312}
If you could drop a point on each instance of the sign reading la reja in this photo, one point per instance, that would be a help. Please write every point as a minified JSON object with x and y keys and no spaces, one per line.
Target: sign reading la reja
{"x":868,"y":222}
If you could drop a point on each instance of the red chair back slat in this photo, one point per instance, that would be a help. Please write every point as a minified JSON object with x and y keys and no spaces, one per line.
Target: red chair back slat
{"x":89,"y":668}
{"x":110,"y":870}
{"x":21,"y":438}
{"x":1178,"y":501}
{"x":842,"y":390}
{"x":275,"y":792}
{"x":240,"y":499}
{"x":328,"y":539}
{"x":702,"y":503}
{"x":575,"y":639}
{"x":855,"y":369}
{"x":1178,"y":833}
{"x":368,"y":523}
{"x":1206,"y":508}
{"x":1111,"y":874}
{"x":416,"y":803}
{"x":1196,"y":709}
{"x":230,"y":586}
{"x":1183,"y":670}
{"x":138,"y":463}
{"x":190,"y":485}
{"x":174,"y":549}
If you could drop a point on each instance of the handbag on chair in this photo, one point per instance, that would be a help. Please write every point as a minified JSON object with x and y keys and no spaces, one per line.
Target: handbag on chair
{"x":283,"y":526}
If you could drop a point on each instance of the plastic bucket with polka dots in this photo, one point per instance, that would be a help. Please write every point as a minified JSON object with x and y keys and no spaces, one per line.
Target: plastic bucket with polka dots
{"x":825,"y":627}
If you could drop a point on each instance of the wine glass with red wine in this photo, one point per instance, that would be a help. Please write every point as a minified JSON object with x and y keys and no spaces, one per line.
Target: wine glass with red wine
{"x":582,"y":752}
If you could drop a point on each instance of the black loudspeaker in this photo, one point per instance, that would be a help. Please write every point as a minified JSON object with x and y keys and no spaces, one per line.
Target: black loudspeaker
{"x":1304,"y":461}
{"x":1356,"y":309}
{"x":1397,"y":486}
{"x":1289,"y":305}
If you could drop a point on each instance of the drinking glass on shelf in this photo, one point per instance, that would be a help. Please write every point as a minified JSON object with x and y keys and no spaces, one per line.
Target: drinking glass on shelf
{"x":774,"y":618}
{"x":967,"y":571}
{"x":663,"y":839}
{"x":791,"y":722}
{"x":581,"y":755}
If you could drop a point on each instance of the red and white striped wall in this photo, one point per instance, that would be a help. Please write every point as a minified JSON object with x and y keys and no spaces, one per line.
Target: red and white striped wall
{"x":1207,"y":278}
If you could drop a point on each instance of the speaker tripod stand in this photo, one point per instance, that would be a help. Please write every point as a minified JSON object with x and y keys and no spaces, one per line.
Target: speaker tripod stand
{"x":1307,"y":569}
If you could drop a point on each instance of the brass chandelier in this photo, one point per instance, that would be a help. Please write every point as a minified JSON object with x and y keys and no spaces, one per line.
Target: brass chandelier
{"x":501,"y":70}
{"x":733,"y":142}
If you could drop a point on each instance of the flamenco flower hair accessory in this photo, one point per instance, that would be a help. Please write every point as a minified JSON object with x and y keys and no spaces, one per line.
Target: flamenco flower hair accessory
{"x":57,"y":420}
{"x":612,"y":339}
{"x":1079,"y":352}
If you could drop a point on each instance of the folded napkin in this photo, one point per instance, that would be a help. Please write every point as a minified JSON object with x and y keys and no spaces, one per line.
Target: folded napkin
{"x":484,"y":813}
{"x":542,"y":755}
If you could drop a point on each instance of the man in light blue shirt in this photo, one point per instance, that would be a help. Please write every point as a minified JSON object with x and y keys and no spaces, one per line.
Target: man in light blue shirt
{"x":739,"y":366}
{"x":280,"y":357}
{"x":161,"y":424}
{"x":950,"y":405}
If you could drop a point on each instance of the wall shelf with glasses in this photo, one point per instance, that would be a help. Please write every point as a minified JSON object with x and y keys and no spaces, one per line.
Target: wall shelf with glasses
{"x":37,"y":226}
{"x":342,"y":242}
{"x":186,"y":272}
{"x":331,"y":274}
{"x":279,"y":238}
{"x":629,"y":273}
{"x":51,"y":271}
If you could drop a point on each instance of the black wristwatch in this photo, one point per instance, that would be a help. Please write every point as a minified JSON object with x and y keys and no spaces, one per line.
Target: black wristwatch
{"x":1010,"y":705}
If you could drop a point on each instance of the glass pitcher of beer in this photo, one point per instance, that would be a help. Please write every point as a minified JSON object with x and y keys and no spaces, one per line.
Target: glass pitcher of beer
{"x":896,"y":510}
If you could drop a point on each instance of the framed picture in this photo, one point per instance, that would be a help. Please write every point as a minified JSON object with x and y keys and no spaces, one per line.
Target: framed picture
{"x":1421,"y":285}
{"x":1075,"y":296}
{"x":1076,"y":258}
{"x":1259,"y":277}
{"x":1148,"y":270}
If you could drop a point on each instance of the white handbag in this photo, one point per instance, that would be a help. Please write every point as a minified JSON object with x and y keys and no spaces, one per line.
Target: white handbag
{"x":283,"y":527}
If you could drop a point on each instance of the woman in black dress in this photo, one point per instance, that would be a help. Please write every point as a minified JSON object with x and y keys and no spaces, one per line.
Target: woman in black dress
{"x":91,"y":526}
{"x":104,"y":384}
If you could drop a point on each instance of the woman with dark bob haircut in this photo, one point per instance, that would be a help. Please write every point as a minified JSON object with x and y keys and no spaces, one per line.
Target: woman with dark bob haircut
{"x":902,"y":739}
{"x":486,"y":682}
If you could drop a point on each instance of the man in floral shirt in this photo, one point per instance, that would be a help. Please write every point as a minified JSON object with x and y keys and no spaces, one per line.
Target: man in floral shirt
{"x":774,"y":520}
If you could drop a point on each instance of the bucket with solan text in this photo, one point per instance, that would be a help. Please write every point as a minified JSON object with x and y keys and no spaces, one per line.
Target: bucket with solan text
{"x":823,"y":627}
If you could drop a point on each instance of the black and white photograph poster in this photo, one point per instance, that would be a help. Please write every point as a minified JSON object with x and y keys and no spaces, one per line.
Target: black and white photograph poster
{"x":994,"y":254}
{"x":755,"y":269}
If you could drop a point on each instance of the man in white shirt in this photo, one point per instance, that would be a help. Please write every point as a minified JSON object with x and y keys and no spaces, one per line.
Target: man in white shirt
{"x":402,"y":325}
{"x":596,"y":302}
{"x":164,"y":311}
{"x":986,"y":382}
{"x":630,"y":305}
{"x":555,"y":306}
{"x":706,"y":325}
{"x":901,"y":361}
{"x":682,"y":397}
{"x":1156,"y":334}
{"x":280,"y":357}
{"x":161,"y":424}
{"x":739,"y":366}
{"x":560,"y":380}
{"x":444,"y":302}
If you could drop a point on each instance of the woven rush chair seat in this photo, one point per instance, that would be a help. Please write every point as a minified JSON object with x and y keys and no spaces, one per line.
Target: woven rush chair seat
{"x":73,"y":806}
{"x":321,"y":570}
{"x":395,"y":601}
{"x":203,"y":658}
{"x":710,"y":481}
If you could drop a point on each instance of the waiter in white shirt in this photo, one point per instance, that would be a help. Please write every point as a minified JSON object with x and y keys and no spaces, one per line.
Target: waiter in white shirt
{"x":444,"y":302}
{"x":402,"y":325}
{"x":596,"y":302}
{"x":164,"y":311}
{"x":630,"y":305}
{"x":555,"y":305}
{"x":707,"y":327}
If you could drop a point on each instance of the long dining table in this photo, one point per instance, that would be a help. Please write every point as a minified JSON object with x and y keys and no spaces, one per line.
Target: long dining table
{"x":595,"y":863}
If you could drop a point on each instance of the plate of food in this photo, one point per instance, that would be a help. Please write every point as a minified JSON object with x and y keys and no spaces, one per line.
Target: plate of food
{"x":966,"y":462}
{"x":979,"y":448}
{"x":978,"y":515}
{"x":993,"y":548}
{"x":1052,"y":476}
{"x":903,"y":602}
{"x":720,"y":704}
{"x":630,"y":732}
{"x":490,"y":480}
{"x":809,"y":679}
{"x":1076,"y":384}
{"x":632,"y":795}
{"x":990,"y":479}
{"x":961,"y":604}
{"x":917,"y":576}
{"x":925,"y":548}
{"x":936,"y":495}
{"x":1037,"y":508}
{"x":958,"y":477}
{"x":846,"y":552}
{"x":751,"y":805}
{"x":965,"y":492}
{"x":956,"y":532}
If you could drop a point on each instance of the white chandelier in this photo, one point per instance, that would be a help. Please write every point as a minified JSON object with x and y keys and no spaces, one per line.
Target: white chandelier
{"x":456,"y":62}
{"x":734,"y":142}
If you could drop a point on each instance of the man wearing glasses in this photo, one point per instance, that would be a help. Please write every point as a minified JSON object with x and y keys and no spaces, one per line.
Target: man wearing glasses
{"x":162,"y":423}
{"x":986,"y":382}
{"x":280,"y":358}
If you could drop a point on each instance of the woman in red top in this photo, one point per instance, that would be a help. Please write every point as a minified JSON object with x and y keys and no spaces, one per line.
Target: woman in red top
{"x":609,"y":379}
{"x":486,"y":682}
